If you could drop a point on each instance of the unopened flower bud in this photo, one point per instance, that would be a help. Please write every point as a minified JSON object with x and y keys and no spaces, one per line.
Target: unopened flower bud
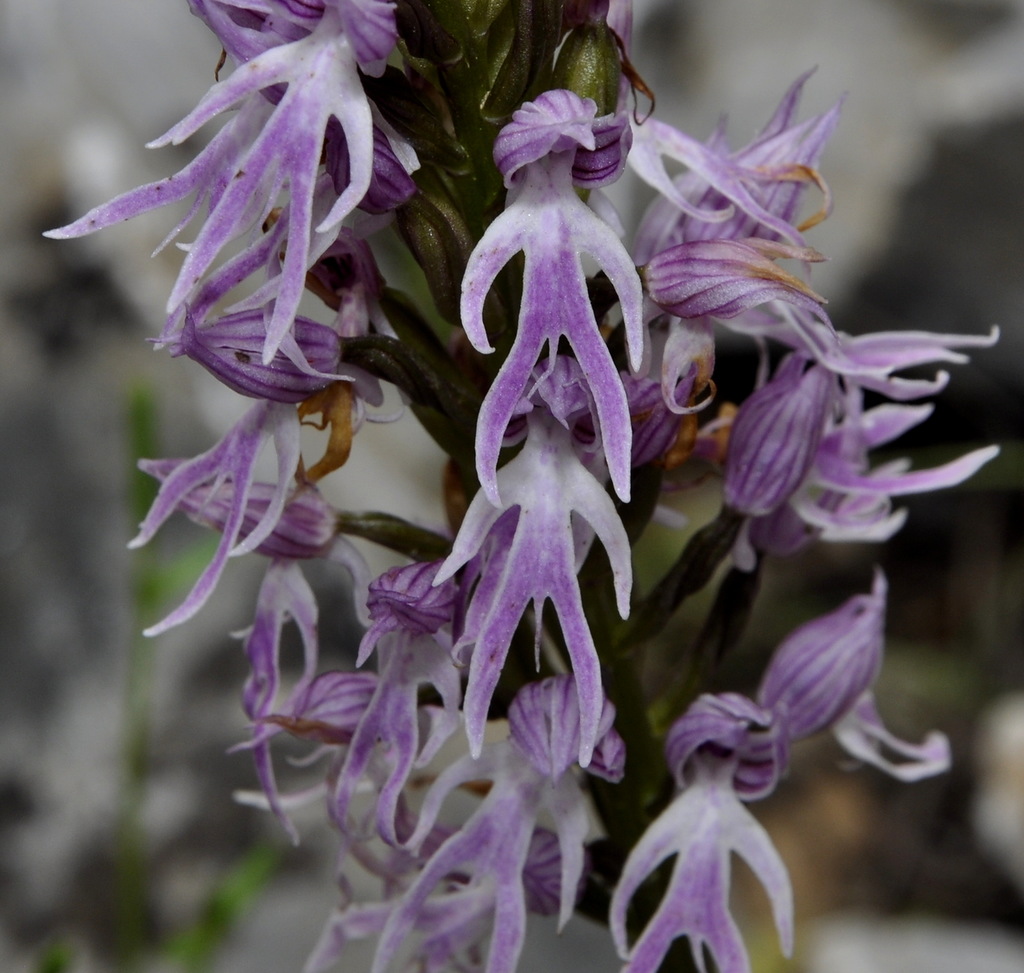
{"x":406,"y":598}
{"x":390,"y":185}
{"x":544,"y":725}
{"x":824,"y":667}
{"x":231,"y":348}
{"x":724,"y":278}
{"x":781,"y":533}
{"x":435,"y":230}
{"x":588,"y":64}
{"x":305,"y":529}
{"x":575,"y":13}
{"x":655,"y":427}
{"x":330,"y":707}
{"x":775,"y":437}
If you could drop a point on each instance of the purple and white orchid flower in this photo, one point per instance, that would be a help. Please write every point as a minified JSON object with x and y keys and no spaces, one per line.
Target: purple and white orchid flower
{"x":546,"y":220}
{"x":558,"y":506}
{"x":274,"y":142}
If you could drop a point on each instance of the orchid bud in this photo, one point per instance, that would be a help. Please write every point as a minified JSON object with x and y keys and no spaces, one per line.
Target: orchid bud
{"x":821,"y":670}
{"x":781,"y":533}
{"x":544,"y":724}
{"x":534,"y":35}
{"x":655,"y":426}
{"x":305,"y":529}
{"x":329,"y":709}
{"x":724,"y":278}
{"x":423,"y":34}
{"x":435,"y":230}
{"x":390,"y":184}
{"x":775,"y":437}
{"x":588,"y":64}
{"x":231,"y":347}
{"x":576,"y":13}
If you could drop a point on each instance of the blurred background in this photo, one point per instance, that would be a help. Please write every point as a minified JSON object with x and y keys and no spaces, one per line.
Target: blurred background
{"x":927,"y":172}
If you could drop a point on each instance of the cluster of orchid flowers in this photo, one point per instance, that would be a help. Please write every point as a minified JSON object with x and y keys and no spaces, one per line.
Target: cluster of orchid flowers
{"x":485,"y":135}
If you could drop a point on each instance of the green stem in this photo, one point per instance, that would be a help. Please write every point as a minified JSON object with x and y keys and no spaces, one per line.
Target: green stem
{"x":623,"y":807}
{"x":721,"y":631}
{"x":692,"y":571}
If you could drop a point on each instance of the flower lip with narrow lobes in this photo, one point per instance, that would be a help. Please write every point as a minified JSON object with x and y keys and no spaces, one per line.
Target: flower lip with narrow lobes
{"x":531,"y":774}
{"x":284,"y":595}
{"x":546,"y":221}
{"x":862,"y":734}
{"x":233,"y":458}
{"x":396,"y":733}
{"x":288,"y":95}
{"x":701,"y":829}
{"x":724,"y":278}
{"x":847,"y":499}
{"x":231,"y":349}
{"x":687,"y":364}
{"x":551,"y":488}
{"x":458,"y":775}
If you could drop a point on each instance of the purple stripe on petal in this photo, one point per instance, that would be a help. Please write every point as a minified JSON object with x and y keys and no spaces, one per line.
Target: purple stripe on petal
{"x":231,"y":348}
{"x":724,"y":278}
{"x":775,"y":435}
{"x":822,"y":668}
{"x":556,"y":121}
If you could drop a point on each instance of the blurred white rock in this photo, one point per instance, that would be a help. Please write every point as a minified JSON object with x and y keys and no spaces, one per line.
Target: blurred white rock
{"x":999,"y":799}
{"x":857,"y":944}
